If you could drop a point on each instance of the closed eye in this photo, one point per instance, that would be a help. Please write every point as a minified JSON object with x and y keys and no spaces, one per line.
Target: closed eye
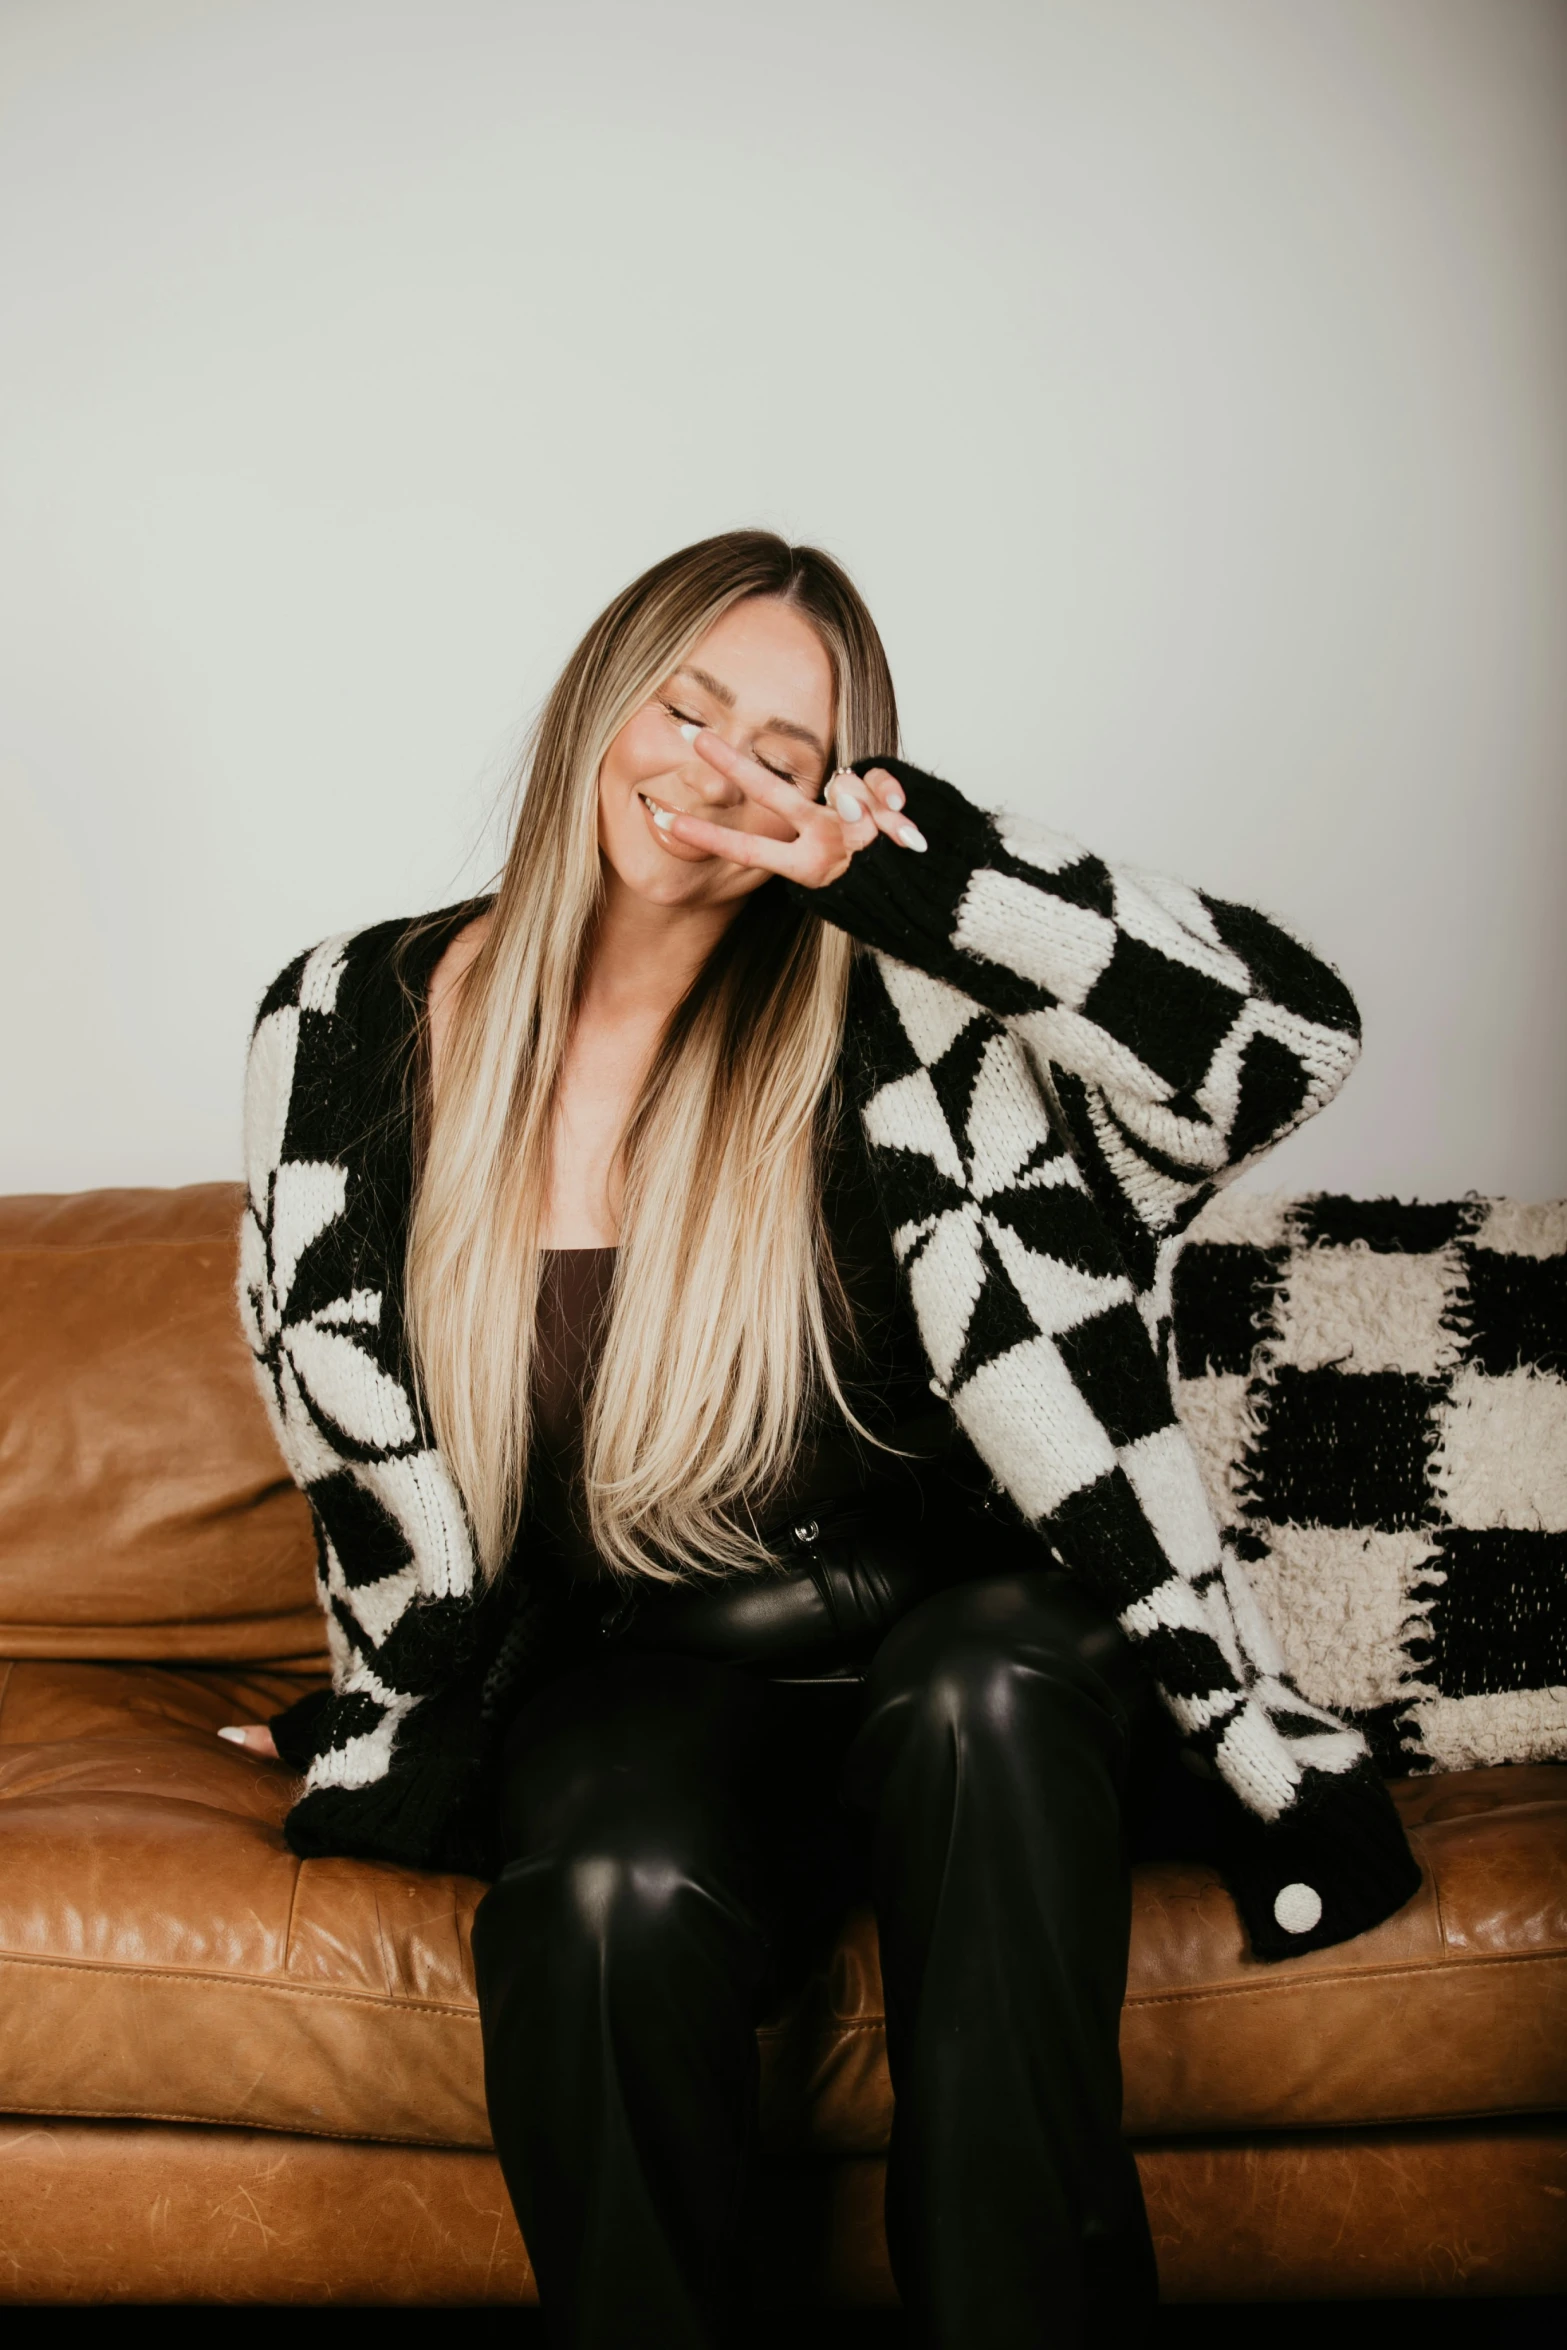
{"x":688,"y":718}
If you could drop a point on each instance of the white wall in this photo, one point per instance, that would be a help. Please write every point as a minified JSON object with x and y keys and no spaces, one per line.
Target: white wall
{"x":1184,"y":381}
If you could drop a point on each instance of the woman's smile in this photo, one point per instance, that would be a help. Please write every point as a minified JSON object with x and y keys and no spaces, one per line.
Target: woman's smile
{"x":660,"y":814}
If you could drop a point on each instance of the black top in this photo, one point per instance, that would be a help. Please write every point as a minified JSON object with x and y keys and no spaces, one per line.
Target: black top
{"x":879,"y":1361}
{"x":574,"y":1291}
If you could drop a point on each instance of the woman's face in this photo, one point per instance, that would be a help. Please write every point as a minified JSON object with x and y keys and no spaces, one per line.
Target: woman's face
{"x":761,"y":679}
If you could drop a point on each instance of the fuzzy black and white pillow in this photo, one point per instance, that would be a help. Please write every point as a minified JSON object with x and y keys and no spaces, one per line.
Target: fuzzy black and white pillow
{"x":1377,"y":1393}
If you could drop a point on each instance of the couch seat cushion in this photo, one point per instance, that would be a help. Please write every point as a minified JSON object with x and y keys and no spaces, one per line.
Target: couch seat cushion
{"x":163,"y":1954}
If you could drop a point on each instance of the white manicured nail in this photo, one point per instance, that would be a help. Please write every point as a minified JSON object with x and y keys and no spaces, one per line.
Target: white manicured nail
{"x":912,"y":837}
{"x":689,"y":731}
{"x":849,"y":807}
{"x":663,"y":818}
{"x":236,"y":1737}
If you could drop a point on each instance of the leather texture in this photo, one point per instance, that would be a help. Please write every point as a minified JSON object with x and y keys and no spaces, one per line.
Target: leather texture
{"x":162,"y":1953}
{"x":1331,"y":2215}
{"x":856,"y":1574}
{"x":142,"y":2212}
{"x":673,"y":1830}
{"x":1319,"y":2126}
{"x":144,"y":1508}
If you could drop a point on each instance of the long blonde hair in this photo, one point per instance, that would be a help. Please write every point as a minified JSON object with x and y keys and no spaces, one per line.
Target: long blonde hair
{"x":724,"y":1302}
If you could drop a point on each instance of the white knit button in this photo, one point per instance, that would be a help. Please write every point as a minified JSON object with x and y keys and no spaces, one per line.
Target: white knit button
{"x":1298,"y":1908}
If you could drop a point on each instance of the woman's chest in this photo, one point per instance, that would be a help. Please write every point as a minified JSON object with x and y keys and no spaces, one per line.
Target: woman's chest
{"x":601,"y":1081}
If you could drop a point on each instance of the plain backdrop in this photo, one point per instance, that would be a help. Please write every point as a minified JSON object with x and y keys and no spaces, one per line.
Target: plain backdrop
{"x":1184,"y":381}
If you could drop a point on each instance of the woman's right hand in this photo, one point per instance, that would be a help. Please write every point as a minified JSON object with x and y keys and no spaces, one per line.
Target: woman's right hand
{"x":823,"y":836}
{"x":255,"y":1737}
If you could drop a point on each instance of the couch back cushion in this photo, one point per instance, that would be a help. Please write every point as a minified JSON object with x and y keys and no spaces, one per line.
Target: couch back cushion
{"x":1377,"y":1391}
{"x":145,"y":1511}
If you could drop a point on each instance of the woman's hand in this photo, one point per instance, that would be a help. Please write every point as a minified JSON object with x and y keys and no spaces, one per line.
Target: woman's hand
{"x":255,"y":1737}
{"x":824,"y":835}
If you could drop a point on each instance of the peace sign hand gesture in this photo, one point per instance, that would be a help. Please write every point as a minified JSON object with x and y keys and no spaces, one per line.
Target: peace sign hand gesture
{"x":822,"y":836}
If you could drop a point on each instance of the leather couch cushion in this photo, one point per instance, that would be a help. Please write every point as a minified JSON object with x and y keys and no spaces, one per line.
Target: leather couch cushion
{"x":144,"y":1507}
{"x":163,"y":1955}
{"x":122,"y":2212}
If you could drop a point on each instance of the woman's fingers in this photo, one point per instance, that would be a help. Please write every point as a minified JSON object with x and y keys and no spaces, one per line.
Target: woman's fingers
{"x":255,"y":1737}
{"x":879,"y":796}
{"x":826,"y":834}
{"x":737,"y":848}
{"x":885,"y":795}
{"x":846,"y":819}
{"x":756,"y":781}
{"x":852,"y":804}
{"x":845,"y":793}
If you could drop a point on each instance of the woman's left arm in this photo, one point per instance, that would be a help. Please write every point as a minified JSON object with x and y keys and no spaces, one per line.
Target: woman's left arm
{"x":1205,"y":1031}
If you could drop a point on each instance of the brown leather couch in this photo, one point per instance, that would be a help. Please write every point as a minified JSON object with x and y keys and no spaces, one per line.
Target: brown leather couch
{"x":229,"y":2075}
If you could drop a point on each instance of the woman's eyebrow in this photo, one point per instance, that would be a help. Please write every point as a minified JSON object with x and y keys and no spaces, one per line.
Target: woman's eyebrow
{"x":709,"y":684}
{"x":801,"y":734}
{"x":725,"y":699}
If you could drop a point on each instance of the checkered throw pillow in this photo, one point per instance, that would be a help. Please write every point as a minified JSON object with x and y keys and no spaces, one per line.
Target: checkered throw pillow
{"x":1377,"y":1393}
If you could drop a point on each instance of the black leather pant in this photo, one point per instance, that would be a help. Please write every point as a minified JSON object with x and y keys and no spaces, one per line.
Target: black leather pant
{"x":680,"y":1842}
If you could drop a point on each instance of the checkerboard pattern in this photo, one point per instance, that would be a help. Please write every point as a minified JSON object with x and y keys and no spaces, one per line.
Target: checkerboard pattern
{"x":1377,"y":1395}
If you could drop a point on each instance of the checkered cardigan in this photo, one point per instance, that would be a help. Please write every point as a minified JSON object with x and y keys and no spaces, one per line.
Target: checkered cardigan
{"x":1055,"y":1063}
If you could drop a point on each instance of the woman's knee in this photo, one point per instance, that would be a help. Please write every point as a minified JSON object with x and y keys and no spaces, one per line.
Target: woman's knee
{"x":644,"y":1888}
{"x":1011,"y":1688}
{"x":970,"y":1656}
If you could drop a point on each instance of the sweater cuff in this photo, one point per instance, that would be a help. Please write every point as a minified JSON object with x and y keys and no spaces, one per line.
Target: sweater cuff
{"x":901,"y":903}
{"x":427,"y":1811}
{"x":1332,"y":1868}
{"x":297,"y":1732}
{"x":424,"y":1819}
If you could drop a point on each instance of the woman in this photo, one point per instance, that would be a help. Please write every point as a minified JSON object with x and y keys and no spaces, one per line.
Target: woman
{"x":715,"y":1296}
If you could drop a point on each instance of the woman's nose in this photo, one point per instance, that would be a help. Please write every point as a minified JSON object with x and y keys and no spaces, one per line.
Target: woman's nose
{"x":707,"y":783}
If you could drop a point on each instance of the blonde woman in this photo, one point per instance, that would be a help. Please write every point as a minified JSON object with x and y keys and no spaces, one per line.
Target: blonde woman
{"x":715,"y":1295}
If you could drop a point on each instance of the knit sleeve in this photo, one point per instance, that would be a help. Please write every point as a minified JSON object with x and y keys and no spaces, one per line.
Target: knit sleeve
{"x":269,"y":1075}
{"x":267,"y":1259}
{"x":328,"y":1160}
{"x":1190,"y":1033}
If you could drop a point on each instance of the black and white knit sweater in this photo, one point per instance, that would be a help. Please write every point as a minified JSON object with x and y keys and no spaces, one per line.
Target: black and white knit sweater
{"x":1054,"y":1063}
